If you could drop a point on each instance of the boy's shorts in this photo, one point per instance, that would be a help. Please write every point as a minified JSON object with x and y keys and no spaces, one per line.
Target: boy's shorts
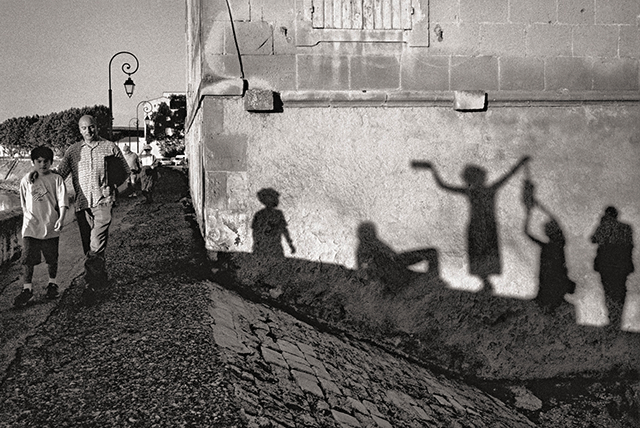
{"x":33,"y":247}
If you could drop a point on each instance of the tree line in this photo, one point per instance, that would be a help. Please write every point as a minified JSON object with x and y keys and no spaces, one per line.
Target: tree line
{"x":168,"y":125}
{"x":58,"y":131}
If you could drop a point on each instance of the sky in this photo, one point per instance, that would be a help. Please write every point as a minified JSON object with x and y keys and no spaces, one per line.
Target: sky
{"x":54,"y":54}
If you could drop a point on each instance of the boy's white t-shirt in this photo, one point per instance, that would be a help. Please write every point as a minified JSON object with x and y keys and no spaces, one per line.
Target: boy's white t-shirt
{"x":41,"y":202}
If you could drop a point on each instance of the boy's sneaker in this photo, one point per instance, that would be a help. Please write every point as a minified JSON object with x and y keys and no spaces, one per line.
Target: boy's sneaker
{"x":23,"y":298}
{"x":52,"y":291}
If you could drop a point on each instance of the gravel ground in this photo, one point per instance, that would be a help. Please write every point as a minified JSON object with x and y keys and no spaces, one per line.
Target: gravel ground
{"x":141,"y":356}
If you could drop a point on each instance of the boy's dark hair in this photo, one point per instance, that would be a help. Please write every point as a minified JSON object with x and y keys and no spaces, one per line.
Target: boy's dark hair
{"x":42,"y":152}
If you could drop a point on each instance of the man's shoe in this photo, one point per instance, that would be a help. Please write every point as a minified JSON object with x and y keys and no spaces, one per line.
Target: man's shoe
{"x":89,"y":296}
{"x":52,"y":291}
{"x":23,"y":298}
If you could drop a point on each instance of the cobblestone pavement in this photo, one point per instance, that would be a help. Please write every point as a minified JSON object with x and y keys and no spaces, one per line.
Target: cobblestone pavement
{"x":288,"y":374}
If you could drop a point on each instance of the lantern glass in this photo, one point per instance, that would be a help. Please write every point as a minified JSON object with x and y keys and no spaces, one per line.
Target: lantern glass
{"x":129,"y":86}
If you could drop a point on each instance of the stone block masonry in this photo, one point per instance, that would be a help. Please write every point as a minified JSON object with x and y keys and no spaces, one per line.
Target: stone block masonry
{"x":288,"y":374}
{"x":467,"y":42}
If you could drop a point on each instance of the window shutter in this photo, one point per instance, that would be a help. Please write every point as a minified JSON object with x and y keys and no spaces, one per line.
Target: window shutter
{"x":362,"y":14}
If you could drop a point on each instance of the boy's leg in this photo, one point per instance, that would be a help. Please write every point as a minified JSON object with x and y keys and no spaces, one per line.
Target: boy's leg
{"x":30,"y":258}
{"x":27,"y":276}
{"x":50,"y":251}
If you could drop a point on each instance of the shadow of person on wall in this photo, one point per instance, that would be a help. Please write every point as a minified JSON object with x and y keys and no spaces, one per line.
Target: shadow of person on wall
{"x":483,"y":245}
{"x":376,"y":261}
{"x":614,"y":260}
{"x":553,"y":277}
{"x":269,"y":227}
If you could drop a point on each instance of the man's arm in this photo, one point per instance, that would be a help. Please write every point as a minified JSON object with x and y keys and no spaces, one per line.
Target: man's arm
{"x":116,"y":166}
{"x":123,"y":162}
{"x":64,"y":167}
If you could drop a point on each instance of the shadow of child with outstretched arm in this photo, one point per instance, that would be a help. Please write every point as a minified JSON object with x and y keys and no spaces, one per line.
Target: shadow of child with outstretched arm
{"x":483,"y":247}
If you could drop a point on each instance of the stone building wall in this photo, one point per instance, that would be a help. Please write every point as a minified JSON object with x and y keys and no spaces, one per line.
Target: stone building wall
{"x":336,"y":116}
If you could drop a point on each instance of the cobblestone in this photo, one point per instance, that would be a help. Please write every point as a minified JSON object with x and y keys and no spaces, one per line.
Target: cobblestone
{"x":288,"y":374}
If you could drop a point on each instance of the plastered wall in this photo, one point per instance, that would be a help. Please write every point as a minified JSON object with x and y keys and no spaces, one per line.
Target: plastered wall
{"x":336,"y":168}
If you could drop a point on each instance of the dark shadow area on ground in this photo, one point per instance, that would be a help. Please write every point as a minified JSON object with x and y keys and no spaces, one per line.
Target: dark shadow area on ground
{"x":499,"y":344}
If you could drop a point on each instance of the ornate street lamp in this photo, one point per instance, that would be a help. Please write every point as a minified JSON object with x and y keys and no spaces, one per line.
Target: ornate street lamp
{"x":128,"y":85}
{"x":136,"y":119}
{"x":148,"y":108}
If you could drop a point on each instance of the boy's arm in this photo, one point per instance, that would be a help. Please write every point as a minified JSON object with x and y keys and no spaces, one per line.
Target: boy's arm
{"x":61,"y":194}
{"x":60,"y":222}
{"x":23,"y":192}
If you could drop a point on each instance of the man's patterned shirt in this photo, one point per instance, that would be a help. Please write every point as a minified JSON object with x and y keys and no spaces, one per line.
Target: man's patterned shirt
{"x":87,"y":166}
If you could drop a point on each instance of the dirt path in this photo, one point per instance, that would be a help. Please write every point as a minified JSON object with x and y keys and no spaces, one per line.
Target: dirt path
{"x":19,"y":324}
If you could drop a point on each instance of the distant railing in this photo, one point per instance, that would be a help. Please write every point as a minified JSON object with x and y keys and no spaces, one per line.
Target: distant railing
{"x":10,"y":228}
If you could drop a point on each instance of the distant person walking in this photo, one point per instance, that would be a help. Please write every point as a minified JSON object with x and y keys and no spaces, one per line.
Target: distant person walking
{"x":483,"y":245}
{"x":148,"y":173}
{"x":134,"y":166}
{"x":44,"y":206}
{"x":614,"y":260}
{"x":97,"y":167}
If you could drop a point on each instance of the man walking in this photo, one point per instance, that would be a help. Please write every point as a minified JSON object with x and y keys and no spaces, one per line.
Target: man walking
{"x":96,"y":165}
{"x":134,"y":166}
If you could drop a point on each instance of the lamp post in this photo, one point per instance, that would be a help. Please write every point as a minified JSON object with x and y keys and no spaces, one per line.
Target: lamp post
{"x":128,"y":84}
{"x":136,"y":119}
{"x":148,"y":108}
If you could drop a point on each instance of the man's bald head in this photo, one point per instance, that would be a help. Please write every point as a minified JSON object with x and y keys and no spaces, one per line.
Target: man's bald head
{"x":88,"y":128}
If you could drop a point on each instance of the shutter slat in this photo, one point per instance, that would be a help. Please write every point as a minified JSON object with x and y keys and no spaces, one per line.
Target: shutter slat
{"x":396,"y":14}
{"x":337,"y":13}
{"x":377,"y":14}
{"x":386,"y":14}
{"x":367,"y":14}
{"x":356,"y":12}
{"x":318,"y":13}
{"x":346,"y":13}
{"x":406,"y":14}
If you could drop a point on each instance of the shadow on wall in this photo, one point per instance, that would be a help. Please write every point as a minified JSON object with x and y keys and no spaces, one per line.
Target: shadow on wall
{"x":483,"y":243}
{"x":403,"y":293}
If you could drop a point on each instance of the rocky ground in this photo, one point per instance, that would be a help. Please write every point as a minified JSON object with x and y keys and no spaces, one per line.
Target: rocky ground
{"x":556,"y":372}
{"x":140,"y":355}
{"x":144,"y":354}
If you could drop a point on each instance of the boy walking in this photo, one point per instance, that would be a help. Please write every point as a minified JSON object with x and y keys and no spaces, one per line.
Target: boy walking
{"x":44,"y":205}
